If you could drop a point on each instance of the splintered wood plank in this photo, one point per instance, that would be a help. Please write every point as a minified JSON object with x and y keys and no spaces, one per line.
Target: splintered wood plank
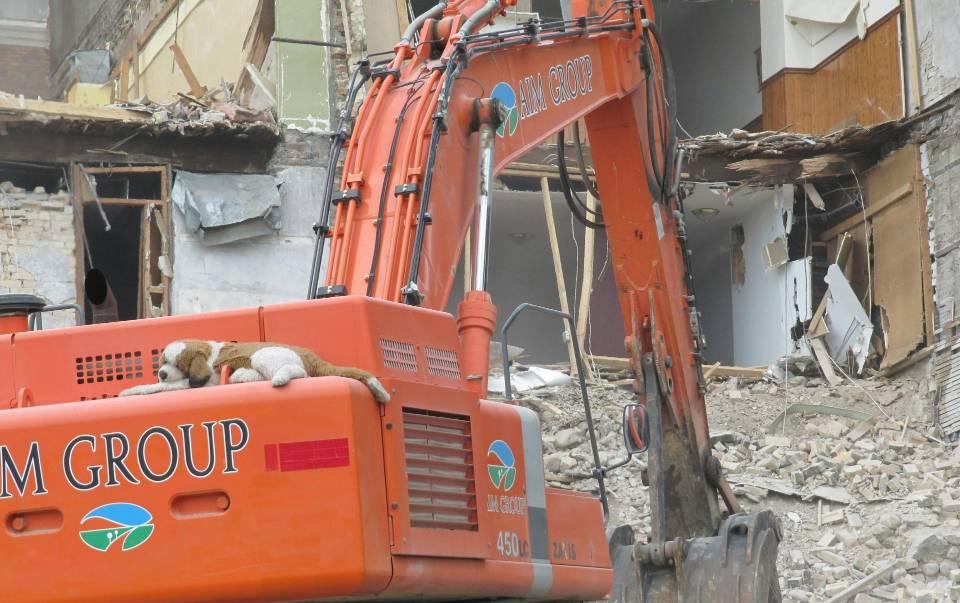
{"x":558,"y":269}
{"x":196,"y":89}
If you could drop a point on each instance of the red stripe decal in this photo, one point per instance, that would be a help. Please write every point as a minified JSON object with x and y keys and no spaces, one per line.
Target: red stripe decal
{"x":310,"y":454}
{"x":270,"y":452}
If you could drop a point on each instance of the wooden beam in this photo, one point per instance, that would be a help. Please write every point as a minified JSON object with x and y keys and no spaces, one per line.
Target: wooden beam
{"x":558,"y":269}
{"x":403,"y":20}
{"x":123,"y":201}
{"x":874,"y":208}
{"x":124,"y":92}
{"x":745,"y":372}
{"x":708,"y":374}
{"x":823,"y":359}
{"x":35,"y":142}
{"x":196,"y":89}
{"x":586,"y":287}
{"x":136,"y":70}
{"x":16,"y":109}
{"x":611,"y":362}
{"x":156,"y":23}
{"x":126,"y":169}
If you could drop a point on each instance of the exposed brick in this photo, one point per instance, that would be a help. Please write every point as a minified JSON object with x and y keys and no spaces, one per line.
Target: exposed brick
{"x":23,"y":70}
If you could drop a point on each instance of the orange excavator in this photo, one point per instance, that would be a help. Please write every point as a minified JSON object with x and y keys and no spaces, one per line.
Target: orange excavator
{"x":314,"y":490}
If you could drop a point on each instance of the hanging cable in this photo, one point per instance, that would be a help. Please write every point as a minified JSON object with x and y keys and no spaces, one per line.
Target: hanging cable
{"x":581,"y":163}
{"x":577,"y":207}
{"x":344,"y":127}
{"x":661,"y":107}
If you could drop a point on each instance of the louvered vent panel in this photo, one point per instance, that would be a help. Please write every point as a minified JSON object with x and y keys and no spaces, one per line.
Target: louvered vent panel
{"x":398,"y":355}
{"x":104,"y":368}
{"x":440,"y":476}
{"x":443,"y":363}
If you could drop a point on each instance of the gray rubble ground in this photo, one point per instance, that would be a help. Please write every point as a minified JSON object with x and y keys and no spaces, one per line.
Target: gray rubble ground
{"x":854,"y":497}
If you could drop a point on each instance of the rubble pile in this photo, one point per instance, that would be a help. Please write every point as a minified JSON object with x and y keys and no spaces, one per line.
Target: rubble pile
{"x":204,"y":110}
{"x":867,"y":494}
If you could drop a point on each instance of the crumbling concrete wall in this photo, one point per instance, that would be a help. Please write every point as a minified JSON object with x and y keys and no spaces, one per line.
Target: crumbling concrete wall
{"x":938,"y":39}
{"x":940,"y":162}
{"x":261,"y":270}
{"x":939,"y":55}
{"x":38,"y":248}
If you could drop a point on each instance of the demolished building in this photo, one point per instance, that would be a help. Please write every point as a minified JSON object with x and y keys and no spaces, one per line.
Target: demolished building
{"x":196,"y":155}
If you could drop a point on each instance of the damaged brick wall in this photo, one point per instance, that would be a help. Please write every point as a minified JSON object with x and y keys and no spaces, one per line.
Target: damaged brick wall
{"x":23,"y":70}
{"x":940,"y":158}
{"x":38,"y":248}
{"x":93,"y":25}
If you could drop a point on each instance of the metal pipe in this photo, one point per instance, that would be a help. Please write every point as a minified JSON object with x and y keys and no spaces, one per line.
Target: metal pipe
{"x":486,"y":134}
{"x":598,"y":470}
{"x":417,"y":23}
{"x":36,"y":319}
{"x":479,"y":17}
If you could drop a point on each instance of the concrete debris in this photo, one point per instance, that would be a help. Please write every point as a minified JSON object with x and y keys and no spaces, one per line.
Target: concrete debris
{"x":870,"y":505}
{"x":527,"y":379}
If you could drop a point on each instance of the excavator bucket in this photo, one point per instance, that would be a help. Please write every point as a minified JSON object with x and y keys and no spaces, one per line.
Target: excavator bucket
{"x":738,"y":565}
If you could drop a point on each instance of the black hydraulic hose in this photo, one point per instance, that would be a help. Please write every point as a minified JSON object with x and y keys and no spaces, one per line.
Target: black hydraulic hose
{"x":581,"y":163}
{"x":363,"y":73}
{"x":577,"y":207}
{"x":453,"y":68}
{"x":385,"y":189}
{"x":667,"y":118}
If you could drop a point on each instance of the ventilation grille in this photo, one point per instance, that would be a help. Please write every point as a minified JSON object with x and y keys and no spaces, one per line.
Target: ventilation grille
{"x":443,"y":363}
{"x":398,"y":355}
{"x":440,"y":477}
{"x":104,"y":368}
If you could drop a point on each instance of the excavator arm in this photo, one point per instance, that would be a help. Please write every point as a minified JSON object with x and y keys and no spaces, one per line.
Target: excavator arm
{"x":454,"y":106}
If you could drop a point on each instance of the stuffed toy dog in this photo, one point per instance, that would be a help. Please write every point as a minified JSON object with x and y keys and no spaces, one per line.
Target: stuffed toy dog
{"x":193,"y":363}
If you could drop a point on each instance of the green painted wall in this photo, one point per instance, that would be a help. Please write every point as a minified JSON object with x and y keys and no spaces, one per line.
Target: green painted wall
{"x":303,"y":84}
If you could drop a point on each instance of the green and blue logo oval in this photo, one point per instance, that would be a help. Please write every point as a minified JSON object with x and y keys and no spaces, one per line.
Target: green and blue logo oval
{"x":122,"y":522}
{"x":504,"y":93}
{"x":501,"y":465}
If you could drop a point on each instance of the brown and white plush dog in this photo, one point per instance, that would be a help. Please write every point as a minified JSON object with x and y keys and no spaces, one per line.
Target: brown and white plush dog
{"x":193,"y":363}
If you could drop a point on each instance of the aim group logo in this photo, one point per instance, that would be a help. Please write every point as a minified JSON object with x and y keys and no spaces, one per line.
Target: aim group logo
{"x":501,"y":465}
{"x":504,"y":93}
{"x":124,"y":522}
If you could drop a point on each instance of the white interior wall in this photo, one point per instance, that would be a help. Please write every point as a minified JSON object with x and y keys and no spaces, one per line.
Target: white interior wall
{"x":770,"y":300}
{"x":712,"y":47}
{"x":787,"y":42}
{"x":261,"y":270}
{"x":744,"y":325}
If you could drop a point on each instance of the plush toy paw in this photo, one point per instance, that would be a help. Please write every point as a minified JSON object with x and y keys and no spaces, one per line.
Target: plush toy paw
{"x":379,"y":392}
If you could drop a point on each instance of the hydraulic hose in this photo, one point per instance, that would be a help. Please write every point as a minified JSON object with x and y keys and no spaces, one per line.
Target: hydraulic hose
{"x":581,"y":163}
{"x":363,"y":73}
{"x":577,"y":207}
{"x":490,"y":8}
{"x":666,"y":116}
{"x":417,"y":23}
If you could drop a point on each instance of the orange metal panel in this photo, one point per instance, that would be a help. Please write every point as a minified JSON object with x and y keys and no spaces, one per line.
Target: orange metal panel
{"x":273,"y":520}
{"x":7,"y":391}
{"x":99,"y":361}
